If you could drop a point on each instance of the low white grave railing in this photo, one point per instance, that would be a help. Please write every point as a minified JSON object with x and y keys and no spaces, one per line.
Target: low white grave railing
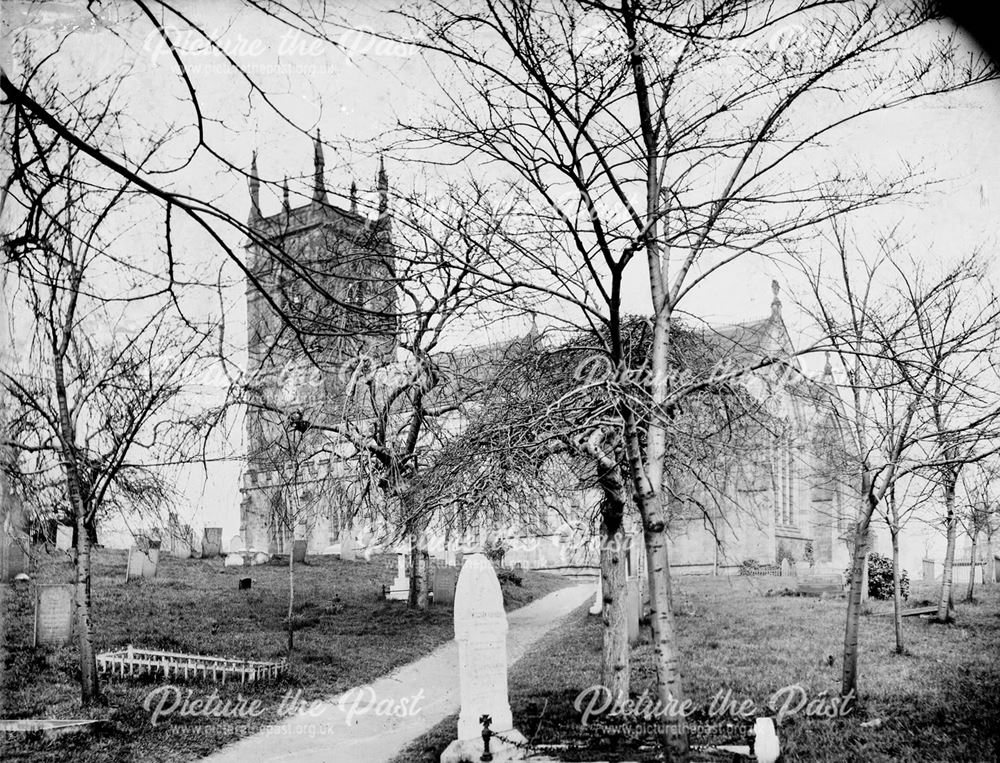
{"x":132,"y":661}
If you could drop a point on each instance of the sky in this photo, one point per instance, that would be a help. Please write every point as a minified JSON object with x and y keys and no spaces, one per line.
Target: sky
{"x":357,"y":94}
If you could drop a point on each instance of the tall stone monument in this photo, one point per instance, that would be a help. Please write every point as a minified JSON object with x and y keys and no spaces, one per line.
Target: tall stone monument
{"x":481,"y":633}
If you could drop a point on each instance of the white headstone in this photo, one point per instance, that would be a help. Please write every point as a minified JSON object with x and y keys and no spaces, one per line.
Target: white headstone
{"x":236,"y":545}
{"x":234,"y":560}
{"x":785,"y":568}
{"x":64,"y":537}
{"x":348,"y":548}
{"x":400,"y":590}
{"x":598,"y":606}
{"x":481,"y":633}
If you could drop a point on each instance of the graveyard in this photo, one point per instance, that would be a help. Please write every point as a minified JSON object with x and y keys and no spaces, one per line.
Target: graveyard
{"x":937,"y":702}
{"x":347,"y":634}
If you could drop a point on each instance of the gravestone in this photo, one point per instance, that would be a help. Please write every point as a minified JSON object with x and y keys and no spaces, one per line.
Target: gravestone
{"x":400,"y":589}
{"x":786,"y":568}
{"x":64,"y":537}
{"x":928,"y":569}
{"x":299,"y":551}
{"x":632,"y":609}
{"x":445,"y":580}
{"x":234,"y":560}
{"x":142,"y":564}
{"x":236,"y":545}
{"x":181,"y":548}
{"x":211,"y":544}
{"x":348,"y":548}
{"x":245,"y":584}
{"x":53,"y":615}
{"x":598,"y":606}
{"x":481,"y":633}
{"x":14,"y":560}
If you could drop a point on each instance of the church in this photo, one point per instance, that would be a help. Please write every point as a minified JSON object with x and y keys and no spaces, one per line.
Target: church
{"x":319,"y":292}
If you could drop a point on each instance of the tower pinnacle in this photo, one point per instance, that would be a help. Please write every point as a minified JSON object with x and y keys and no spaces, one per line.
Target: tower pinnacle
{"x":319,"y":189}
{"x":382,"y":183}
{"x":254,"y":190}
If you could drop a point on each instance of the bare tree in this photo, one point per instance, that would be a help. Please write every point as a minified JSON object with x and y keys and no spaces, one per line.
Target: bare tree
{"x":979,"y":518}
{"x":897,"y":355}
{"x":106,"y":351}
{"x":665,"y":134}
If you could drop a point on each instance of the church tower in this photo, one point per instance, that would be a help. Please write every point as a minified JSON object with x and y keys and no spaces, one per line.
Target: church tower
{"x":320,"y":295}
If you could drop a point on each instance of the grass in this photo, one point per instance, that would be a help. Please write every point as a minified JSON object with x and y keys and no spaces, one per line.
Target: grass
{"x":347,"y":635}
{"x":938,"y":702}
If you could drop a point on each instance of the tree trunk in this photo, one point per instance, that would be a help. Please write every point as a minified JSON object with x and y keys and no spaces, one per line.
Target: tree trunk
{"x":89,"y":687}
{"x":666,"y":653}
{"x":415,"y":569}
{"x":864,"y":575}
{"x":859,"y":562}
{"x":615,"y":675}
{"x":950,"y":523}
{"x":972,"y":569}
{"x":424,"y":578}
{"x":291,"y":596}
{"x":990,"y":571}
{"x":897,"y":593}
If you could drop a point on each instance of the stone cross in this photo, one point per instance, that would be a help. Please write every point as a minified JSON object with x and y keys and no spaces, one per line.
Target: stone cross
{"x":400,"y":590}
{"x":481,"y":633}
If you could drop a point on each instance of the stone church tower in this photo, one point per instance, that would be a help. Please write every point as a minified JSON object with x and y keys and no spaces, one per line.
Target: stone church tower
{"x":320,"y":296}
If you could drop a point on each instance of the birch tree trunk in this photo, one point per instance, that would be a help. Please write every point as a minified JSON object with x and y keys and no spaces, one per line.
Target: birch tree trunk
{"x":972,"y":569}
{"x":950,"y":523}
{"x":615,"y":672}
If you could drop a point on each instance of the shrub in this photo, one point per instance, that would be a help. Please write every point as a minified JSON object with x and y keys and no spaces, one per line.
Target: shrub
{"x":495,"y":549}
{"x":880,"y":578}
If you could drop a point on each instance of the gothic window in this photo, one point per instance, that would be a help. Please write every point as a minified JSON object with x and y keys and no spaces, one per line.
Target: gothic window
{"x":785,"y":472}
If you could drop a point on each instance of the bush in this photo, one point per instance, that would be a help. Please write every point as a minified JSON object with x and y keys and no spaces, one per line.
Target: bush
{"x":752,"y":567}
{"x":880,"y":578}
{"x":495,"y":549}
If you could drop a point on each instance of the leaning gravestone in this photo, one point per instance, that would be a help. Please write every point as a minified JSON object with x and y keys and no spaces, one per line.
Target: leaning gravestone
{"x":53,"y":615}
{"x":211,"y":544}
{"x":481,"y":633}
{"x":143,"y":564}
{"x":64,"y":537}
